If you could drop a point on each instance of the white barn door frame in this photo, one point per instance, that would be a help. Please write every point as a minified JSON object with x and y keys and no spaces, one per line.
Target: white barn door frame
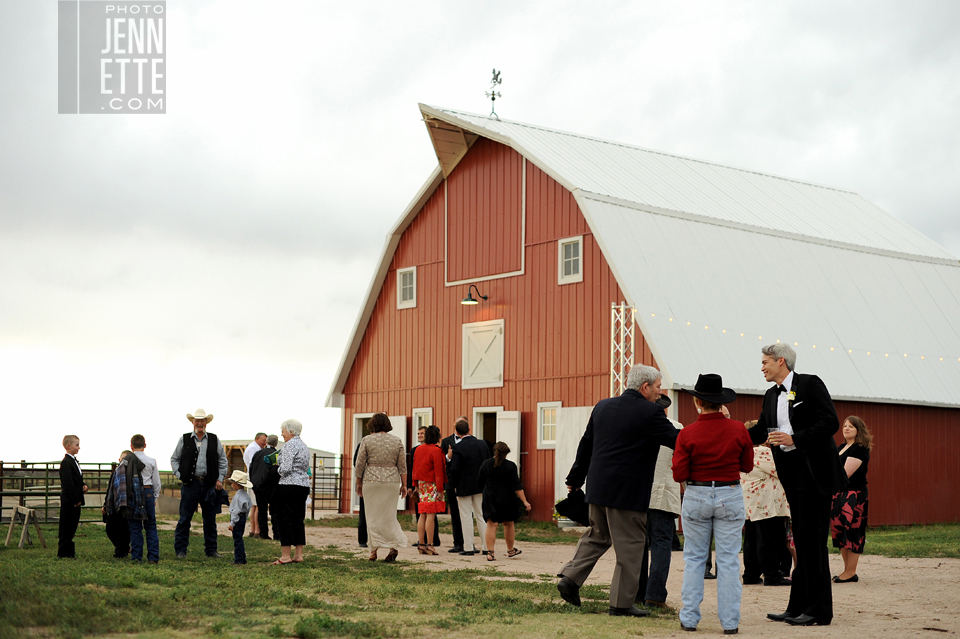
{"x":399,"y":423}
{"x":508,"y":432}
{"x":571,"y":424}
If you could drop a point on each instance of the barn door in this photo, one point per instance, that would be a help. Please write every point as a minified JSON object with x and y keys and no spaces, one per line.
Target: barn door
{"x":482,"y":355}
{"x":399,"y":424}
{"x":571,"y":424}
{"x":508,"y":431}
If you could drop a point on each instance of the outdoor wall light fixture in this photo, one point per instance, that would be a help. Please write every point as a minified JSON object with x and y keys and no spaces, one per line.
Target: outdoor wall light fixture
{"x":469,"y":300}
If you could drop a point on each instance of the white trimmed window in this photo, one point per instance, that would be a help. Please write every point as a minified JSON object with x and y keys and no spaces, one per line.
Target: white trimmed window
{"x":570,"y":260}
{"x":407,"y":287}
{"x":422,"y":417}
{"x":547,"y":414}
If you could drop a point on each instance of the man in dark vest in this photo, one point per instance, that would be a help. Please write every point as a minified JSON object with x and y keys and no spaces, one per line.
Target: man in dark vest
{"x":200,"y":462}
{"x":265,"y":478}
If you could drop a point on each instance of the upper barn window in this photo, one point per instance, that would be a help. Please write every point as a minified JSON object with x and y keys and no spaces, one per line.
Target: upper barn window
{"x":570,"y":260}
{"x":407,"y":287}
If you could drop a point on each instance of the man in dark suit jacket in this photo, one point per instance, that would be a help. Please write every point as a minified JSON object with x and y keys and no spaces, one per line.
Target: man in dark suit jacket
{"x":265,"y":478}
{"x":617,"y":457}
{"x":809,"y":469}
{"x":72,"y":490}
{"x":465,"y":459}
{"x":445,"y":445}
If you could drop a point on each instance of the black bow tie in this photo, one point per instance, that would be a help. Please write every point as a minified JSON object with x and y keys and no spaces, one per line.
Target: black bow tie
{"x":782,"y":389}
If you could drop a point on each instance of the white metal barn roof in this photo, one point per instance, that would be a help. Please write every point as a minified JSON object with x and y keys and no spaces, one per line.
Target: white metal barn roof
{"x":719,"y":261}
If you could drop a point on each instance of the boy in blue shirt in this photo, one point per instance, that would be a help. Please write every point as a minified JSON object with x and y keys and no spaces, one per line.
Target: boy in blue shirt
{"x":239,"y":507}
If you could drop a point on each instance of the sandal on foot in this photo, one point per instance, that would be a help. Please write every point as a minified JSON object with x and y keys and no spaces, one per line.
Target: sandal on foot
{"x":373,"y":556}
{"x":392,"y":555}
{"x":431,"y":551}
{"x":490,"y":556}
{"x":282,"y":563}
{"x":514,"y":552}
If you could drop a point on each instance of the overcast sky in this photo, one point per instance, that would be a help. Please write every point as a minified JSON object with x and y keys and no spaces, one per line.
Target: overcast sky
{"x":217,"y":256}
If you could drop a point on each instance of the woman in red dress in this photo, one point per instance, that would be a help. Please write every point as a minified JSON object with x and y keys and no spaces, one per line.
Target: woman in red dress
{"x":430,"y":474}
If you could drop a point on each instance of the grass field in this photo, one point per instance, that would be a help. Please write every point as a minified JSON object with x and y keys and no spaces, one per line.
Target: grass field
{"x":331,"y":594}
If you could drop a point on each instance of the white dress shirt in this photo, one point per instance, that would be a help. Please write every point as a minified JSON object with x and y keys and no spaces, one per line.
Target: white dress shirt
{"x":249,"y":452}
{"x":783,"y":412}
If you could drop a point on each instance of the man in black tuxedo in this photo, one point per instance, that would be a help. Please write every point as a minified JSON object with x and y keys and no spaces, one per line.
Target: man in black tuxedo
{"x":466,"y":457}
{"x":72,"y":490}
{"x":617,"y":457}
{"x":804,"y":450}
{"x":265,"y":478}
{"x":445,"y":445}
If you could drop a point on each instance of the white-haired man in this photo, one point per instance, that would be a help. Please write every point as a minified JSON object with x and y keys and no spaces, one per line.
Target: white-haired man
{"x":802,"y":411}
{"x":617,"y":457}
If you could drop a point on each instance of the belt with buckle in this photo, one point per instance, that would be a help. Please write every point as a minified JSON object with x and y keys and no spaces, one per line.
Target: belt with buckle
{"x":713,"y":484}
{"x":200,"y":478}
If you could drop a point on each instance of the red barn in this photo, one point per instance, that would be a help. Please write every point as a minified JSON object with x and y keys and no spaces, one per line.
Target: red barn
{"x":585,"y":255}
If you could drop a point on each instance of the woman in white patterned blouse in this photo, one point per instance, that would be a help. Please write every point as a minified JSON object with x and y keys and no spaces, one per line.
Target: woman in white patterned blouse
{"x":381,"y":473}
{"x":292,"y":492}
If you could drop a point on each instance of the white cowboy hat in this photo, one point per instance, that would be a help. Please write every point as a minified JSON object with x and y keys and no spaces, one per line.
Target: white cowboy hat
{"x":200,"y":414}
{"x":241,"y":478}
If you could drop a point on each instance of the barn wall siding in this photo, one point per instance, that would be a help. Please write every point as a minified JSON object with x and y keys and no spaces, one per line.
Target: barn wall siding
{"x":557,"y":338}
{"x":907,"y":444}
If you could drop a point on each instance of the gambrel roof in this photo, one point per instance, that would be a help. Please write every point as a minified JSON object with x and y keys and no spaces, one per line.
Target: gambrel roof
{"x":719,"y":261}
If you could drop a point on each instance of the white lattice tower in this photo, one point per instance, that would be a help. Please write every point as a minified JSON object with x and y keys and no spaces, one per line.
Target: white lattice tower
{"x":622,"y":333}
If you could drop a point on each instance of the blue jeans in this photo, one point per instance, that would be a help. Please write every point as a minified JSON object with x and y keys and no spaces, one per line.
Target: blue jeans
{"x":190,"y":496}
{"x":138,"y":527}
{"x":660,"y":528}
{"x":719,"y":510}
{"x":239,"y":552}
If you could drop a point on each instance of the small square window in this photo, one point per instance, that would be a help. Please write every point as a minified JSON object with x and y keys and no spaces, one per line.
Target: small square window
{"x":570,"y":260}
{"x":547,"y":415}
{"x":407,"y":287}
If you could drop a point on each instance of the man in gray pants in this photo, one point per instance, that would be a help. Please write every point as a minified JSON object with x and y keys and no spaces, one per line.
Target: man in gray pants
{"x":616,"y":457}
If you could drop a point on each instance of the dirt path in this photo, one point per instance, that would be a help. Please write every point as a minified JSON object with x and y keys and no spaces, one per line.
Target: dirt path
{"x":894,"y":598}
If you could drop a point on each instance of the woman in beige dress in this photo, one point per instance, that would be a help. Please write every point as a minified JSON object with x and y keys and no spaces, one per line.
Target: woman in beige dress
{"x":381,"y":475}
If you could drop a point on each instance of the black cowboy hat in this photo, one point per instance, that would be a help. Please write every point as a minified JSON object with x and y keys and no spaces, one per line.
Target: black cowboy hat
{"x":710,"y":388}
{"x":663,"y":401}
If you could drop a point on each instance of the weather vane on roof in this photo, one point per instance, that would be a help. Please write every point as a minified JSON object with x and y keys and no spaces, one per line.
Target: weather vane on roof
{"x":493,"y":94}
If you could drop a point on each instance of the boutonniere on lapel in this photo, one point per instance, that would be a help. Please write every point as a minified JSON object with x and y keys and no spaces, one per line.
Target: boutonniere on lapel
{"x":791,"y":396}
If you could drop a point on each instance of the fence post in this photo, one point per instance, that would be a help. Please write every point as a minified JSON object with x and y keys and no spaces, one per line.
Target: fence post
{"x":23,"y":483}
{"x":313,"y":488}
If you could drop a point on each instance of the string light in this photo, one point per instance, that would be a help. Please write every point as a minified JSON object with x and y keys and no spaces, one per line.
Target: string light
{"x":850,"y":351}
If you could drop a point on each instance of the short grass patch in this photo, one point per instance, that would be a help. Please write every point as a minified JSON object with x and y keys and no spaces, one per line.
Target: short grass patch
{"x":332,"y":594}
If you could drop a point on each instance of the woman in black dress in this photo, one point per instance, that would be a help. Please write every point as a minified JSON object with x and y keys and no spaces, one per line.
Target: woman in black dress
{"x":848,"y":520}
{"x":502,"y":496}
